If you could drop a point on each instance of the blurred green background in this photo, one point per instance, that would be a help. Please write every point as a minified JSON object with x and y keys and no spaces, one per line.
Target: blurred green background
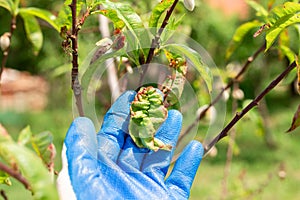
{"x":265,"y":164}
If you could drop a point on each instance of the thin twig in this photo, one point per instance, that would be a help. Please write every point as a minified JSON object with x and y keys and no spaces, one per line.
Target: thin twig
{"x":2,"y":192}
{"x":217,"y":98}
{"x":15,"y":174}
{"x":155,"y":40}
{"x":229,"y":153}
{"x":13,"y":27}
{"x":252,"y":104}
{"x":76,"y":87}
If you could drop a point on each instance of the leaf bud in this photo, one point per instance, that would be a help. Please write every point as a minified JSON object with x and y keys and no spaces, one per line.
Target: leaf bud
{"x":5,"y":41}
{"x":189,"y":4}
{"x":238,"y":94}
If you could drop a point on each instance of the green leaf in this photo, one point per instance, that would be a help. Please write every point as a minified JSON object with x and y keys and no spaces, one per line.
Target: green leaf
{"x":40,"y":142}
{"x":121,"y":11}
{"x":43,"y":146}
{"x":194,"y":58}
{"x":297,"y":28}
{"x":286,"y":51}
{"x":281,"y":11}
{"x":8,"y":5}
{"x":170,"y":29}
{"x":295,"y":121}
{"x":280,"y":18}
{"x":4,"y":178}
{"x":25,"y":136}
{"x":31,"y":168}
{"x":158,"y":10}
{"x":239,"y":36}
{"x":42,"y":14}
{"x":64,"y":18}
{"x":260,"y":10}
{"x":281,"y":24}
{"x":33,"y":31}
{"x":79,"y":5}
{"x":113,"y":16}
{"x":90,"y":3}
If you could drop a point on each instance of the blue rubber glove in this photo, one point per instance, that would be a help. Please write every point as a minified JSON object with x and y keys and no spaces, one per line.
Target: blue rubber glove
{"x":108,"y":165}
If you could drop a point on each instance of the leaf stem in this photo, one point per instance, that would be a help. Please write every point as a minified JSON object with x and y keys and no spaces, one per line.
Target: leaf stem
{"x":15,"y":174}
{"x":252,"y":104}
{"x":229,"y":85}
{"x":155,"y":40}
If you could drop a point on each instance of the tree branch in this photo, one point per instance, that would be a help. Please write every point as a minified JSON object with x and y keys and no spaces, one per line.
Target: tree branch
{"x":13,"y":27}
{"x":15,"y":174}
{"x":252,"y":104}
{"x":229,"y":85}
{"x":76,"y":87}
{"x":2,"y":192}
{"x":155,"y":40}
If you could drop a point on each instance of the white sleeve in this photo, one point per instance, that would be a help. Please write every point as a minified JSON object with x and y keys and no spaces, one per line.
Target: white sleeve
{"x":64,"y":187}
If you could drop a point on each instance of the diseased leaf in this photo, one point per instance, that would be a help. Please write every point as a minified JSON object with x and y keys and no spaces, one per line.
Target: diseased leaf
{"x":103,"y":46}
{"x":8,"y":5}
{"x":296,"y":120}
{"x":147,"y":113}
{"x":195,"y":58}
{"x":174,"y":84}
{"x":42,"y":14}
{"x":33,"y":31}
{"x":280,"y":18}
{"x":157,"y":11}
{"x":239,"y":36}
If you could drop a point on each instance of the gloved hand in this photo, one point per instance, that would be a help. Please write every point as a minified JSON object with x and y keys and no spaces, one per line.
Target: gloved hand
{"x":108,"y":165}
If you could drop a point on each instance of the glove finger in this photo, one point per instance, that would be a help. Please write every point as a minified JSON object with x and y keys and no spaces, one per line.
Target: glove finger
{"x":156,"y":164}
{"x":115,"y":127}
{"x":185,"y":168}
{"x":81,"y":152}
